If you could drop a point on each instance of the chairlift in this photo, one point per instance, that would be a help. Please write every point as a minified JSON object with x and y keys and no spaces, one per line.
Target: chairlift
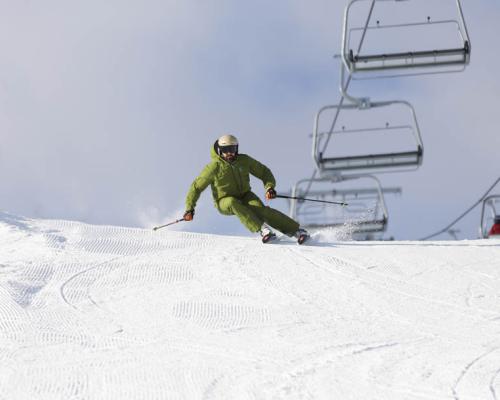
{"x":403,"y":152}
{"x":453,"y":56}
{"x":365,"y":216}
{"x":490,"y":217}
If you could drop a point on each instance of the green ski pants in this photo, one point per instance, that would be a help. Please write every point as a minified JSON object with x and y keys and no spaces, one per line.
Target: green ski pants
{"x":252,"y":213}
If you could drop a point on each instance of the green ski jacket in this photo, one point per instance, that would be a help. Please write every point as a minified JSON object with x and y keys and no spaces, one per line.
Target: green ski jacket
{"x":228,"y":179}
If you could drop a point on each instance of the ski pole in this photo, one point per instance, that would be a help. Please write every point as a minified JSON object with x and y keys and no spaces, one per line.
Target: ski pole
{"x":317,"y":201}
{"x":170,"y":223}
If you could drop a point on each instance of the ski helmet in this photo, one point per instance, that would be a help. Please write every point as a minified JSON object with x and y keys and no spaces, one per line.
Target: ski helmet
{"x":227,"y":144}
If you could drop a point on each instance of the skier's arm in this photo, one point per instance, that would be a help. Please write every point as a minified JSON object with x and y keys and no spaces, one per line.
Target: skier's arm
{"x":260,"y":171}
{"x":205,"y":178}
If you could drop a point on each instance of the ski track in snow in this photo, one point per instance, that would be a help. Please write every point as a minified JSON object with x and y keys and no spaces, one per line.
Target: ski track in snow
{"x":384,"y":283}
{"x":98,"y":312}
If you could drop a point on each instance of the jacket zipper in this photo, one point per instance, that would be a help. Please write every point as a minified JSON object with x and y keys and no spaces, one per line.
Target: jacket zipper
{"x":238,"y":181}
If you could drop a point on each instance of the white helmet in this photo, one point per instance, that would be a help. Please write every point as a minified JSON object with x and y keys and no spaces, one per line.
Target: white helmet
{"x":227,"y":140}
{"x":227,"y":144}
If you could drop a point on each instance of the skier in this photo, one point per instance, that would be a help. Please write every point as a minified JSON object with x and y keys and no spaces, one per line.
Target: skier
{"x":495,"y":229}
{"x":229,"y":176}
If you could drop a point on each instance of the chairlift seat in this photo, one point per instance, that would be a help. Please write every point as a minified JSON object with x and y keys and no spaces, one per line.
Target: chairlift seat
{"x":372,"y":161}
{"x":410,"y":59}
{"x":495,"y":230}
{"x":376,"y":225}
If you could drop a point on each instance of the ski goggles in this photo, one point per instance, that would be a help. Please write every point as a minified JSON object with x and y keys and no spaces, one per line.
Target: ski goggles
{"x":229,"y":149}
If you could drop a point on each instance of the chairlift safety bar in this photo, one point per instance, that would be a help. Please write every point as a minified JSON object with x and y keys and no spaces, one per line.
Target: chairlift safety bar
{"x":386,"y":128}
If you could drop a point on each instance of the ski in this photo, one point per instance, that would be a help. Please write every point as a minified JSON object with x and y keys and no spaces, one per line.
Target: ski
{"x":273,"y":238}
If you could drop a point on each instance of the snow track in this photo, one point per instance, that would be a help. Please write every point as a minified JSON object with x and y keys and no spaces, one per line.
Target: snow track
{"x":100,"y":312}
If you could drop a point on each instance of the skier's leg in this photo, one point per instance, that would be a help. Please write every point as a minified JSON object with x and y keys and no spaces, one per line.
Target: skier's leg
{"x":234,"y":206}
{"x":273,"y":217}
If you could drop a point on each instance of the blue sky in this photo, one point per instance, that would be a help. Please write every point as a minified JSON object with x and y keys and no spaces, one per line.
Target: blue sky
{"x":108,"y":110}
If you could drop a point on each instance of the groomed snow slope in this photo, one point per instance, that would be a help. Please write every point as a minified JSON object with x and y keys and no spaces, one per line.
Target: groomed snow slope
{"x":100,"y":312}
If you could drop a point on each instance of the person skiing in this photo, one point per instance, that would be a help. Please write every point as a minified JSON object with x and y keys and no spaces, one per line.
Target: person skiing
{"x":228,"y":173}
{"x":495,"y":228}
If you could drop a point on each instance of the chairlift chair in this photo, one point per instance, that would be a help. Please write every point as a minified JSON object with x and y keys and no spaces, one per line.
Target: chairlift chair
{"x":490,"y":217}
{"x":366,"y":214}
{"x":452,"y":57}
{"x":392,"y":160}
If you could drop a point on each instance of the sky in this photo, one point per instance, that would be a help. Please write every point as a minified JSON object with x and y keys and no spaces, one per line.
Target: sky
{"x":108,"y":111}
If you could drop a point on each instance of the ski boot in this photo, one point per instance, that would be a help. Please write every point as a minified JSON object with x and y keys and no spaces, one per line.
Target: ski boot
{"x":302,"y":236}
{"x":267,"y":234}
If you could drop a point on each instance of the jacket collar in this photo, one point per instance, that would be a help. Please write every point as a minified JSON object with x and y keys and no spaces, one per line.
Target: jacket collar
{"x":214,"y":156}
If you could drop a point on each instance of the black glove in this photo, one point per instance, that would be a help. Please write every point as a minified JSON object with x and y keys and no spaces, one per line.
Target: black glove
{"x":188,"y":215}
{"x":270,"y":194}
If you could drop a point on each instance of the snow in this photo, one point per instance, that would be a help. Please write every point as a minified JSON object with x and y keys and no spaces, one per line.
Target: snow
{"x":105,"y":312}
